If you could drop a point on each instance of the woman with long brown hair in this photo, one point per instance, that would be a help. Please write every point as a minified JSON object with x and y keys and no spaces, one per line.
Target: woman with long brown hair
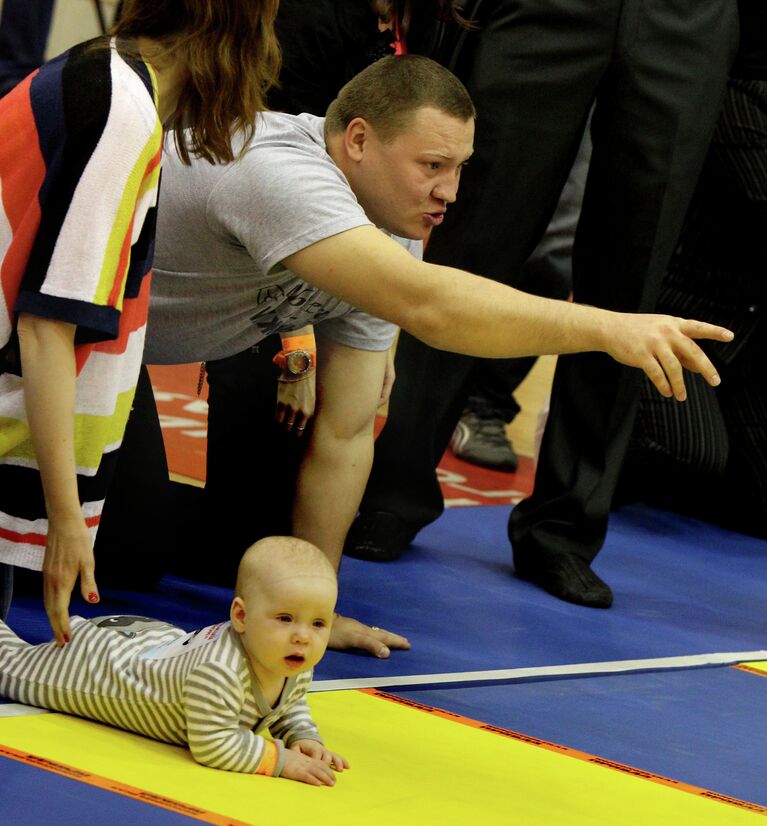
{"x":80,"y":149}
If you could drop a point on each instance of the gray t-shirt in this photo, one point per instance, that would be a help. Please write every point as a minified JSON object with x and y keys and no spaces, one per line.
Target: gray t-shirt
{"x":218,"y":285}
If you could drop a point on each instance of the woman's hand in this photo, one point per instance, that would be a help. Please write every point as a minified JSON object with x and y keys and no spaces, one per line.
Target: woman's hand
{"x":68,"y":554}
{"x":295,"y":402}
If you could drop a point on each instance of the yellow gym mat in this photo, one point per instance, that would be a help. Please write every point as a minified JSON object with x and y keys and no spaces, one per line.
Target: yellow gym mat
{"x":409,"y":766}
{"x":756,"y":668}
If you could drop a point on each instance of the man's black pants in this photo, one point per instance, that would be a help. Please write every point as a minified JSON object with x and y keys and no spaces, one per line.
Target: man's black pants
{"x":657,"y":72}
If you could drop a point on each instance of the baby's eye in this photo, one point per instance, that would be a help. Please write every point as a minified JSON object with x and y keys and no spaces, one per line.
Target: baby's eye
{"x":319,"y":623}
{"x":284,"y":618}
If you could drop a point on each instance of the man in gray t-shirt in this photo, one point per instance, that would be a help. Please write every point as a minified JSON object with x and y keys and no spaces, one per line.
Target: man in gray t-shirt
{"x":219,"y":284}
{"x":294,"y":232}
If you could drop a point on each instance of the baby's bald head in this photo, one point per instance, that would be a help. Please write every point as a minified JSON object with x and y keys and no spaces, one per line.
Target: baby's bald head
{"x":277,"y":558}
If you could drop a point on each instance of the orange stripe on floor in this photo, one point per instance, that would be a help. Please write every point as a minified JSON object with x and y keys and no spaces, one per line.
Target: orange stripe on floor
{"x":115,"y":786}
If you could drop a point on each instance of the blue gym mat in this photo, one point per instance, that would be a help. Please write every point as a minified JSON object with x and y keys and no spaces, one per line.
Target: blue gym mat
{"x":682,"y":587}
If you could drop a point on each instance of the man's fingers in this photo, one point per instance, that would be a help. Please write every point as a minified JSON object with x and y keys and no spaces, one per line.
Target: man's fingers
{"x":349,"y":633}
{"x":368,"y":641}
{"x":672,"y":368}
{"x":693,"y":358}
{"x":390,"y":639}
{"x":379,"y":642}
{"x":701,"y":329}
{"x":358,"y":637}
{"x":657,"y":376}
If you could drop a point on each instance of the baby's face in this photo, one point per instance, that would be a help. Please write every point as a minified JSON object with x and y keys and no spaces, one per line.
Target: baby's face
{"x":287,"y":624}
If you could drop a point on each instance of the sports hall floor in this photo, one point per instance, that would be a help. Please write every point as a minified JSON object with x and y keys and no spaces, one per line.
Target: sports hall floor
{"x":511,"y":708}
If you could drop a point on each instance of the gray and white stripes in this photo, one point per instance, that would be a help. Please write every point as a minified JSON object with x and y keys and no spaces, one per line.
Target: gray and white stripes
{"x":196,"y":689}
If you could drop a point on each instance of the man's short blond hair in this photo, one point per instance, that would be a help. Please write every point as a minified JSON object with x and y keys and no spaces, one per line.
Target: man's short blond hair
{"x":389,"y":92}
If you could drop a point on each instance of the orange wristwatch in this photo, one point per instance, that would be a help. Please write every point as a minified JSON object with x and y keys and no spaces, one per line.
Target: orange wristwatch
{"x":297,"y":357}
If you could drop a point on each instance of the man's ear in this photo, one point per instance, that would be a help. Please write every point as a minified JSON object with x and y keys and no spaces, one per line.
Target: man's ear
{"x":237,"y":614}
{"x":356,"y":135}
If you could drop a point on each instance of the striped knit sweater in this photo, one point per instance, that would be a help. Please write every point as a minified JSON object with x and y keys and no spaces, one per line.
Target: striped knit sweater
{"x":185,"y":688}
{"x":80,"y":149}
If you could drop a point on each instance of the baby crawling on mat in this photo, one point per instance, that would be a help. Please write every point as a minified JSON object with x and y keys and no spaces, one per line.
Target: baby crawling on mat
{"x":211,"y":689}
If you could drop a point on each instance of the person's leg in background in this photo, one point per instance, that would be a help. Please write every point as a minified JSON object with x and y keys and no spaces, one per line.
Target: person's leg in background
{"x":151,"y":525}
{"x":24,"y":29}
{"x":742,"y":505}
{"x":252,"y":461}
{"x":480,"y":436}
{"x":708,"y":457}
{"x":728,"y":259}
{"x":138,"y":528}
{"x":650,"y":133}
{"x":676,"y":451}
{"x":523,"y":155}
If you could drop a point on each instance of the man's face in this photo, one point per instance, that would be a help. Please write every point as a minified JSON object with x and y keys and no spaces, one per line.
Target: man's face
{"x":405,"y":185}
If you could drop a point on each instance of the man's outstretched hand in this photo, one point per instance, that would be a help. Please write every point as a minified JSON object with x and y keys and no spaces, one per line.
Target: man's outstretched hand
{"x":348,"y":633}
{"x":664,"y":346}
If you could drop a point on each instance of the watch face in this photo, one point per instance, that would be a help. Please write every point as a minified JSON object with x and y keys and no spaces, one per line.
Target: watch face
{"x":298,"y":362}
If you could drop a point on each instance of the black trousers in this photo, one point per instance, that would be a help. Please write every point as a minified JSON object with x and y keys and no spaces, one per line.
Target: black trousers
{"x":708,"y":457}
{"x":657,"y":74}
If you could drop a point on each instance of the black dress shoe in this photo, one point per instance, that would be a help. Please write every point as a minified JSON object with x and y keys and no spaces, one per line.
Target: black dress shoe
{"x":378,"y":536}
{"x":568,"y":578}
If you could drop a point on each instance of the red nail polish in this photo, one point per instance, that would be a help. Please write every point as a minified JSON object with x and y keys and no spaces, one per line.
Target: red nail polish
{"x":92,"y":597}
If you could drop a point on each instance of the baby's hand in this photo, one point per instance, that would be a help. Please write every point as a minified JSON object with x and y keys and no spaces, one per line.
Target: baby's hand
{"x":307,"y":769}
{"x":311,"y":748}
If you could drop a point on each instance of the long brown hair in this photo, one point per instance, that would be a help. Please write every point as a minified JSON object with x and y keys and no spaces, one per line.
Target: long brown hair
{"x":229,"y":55}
